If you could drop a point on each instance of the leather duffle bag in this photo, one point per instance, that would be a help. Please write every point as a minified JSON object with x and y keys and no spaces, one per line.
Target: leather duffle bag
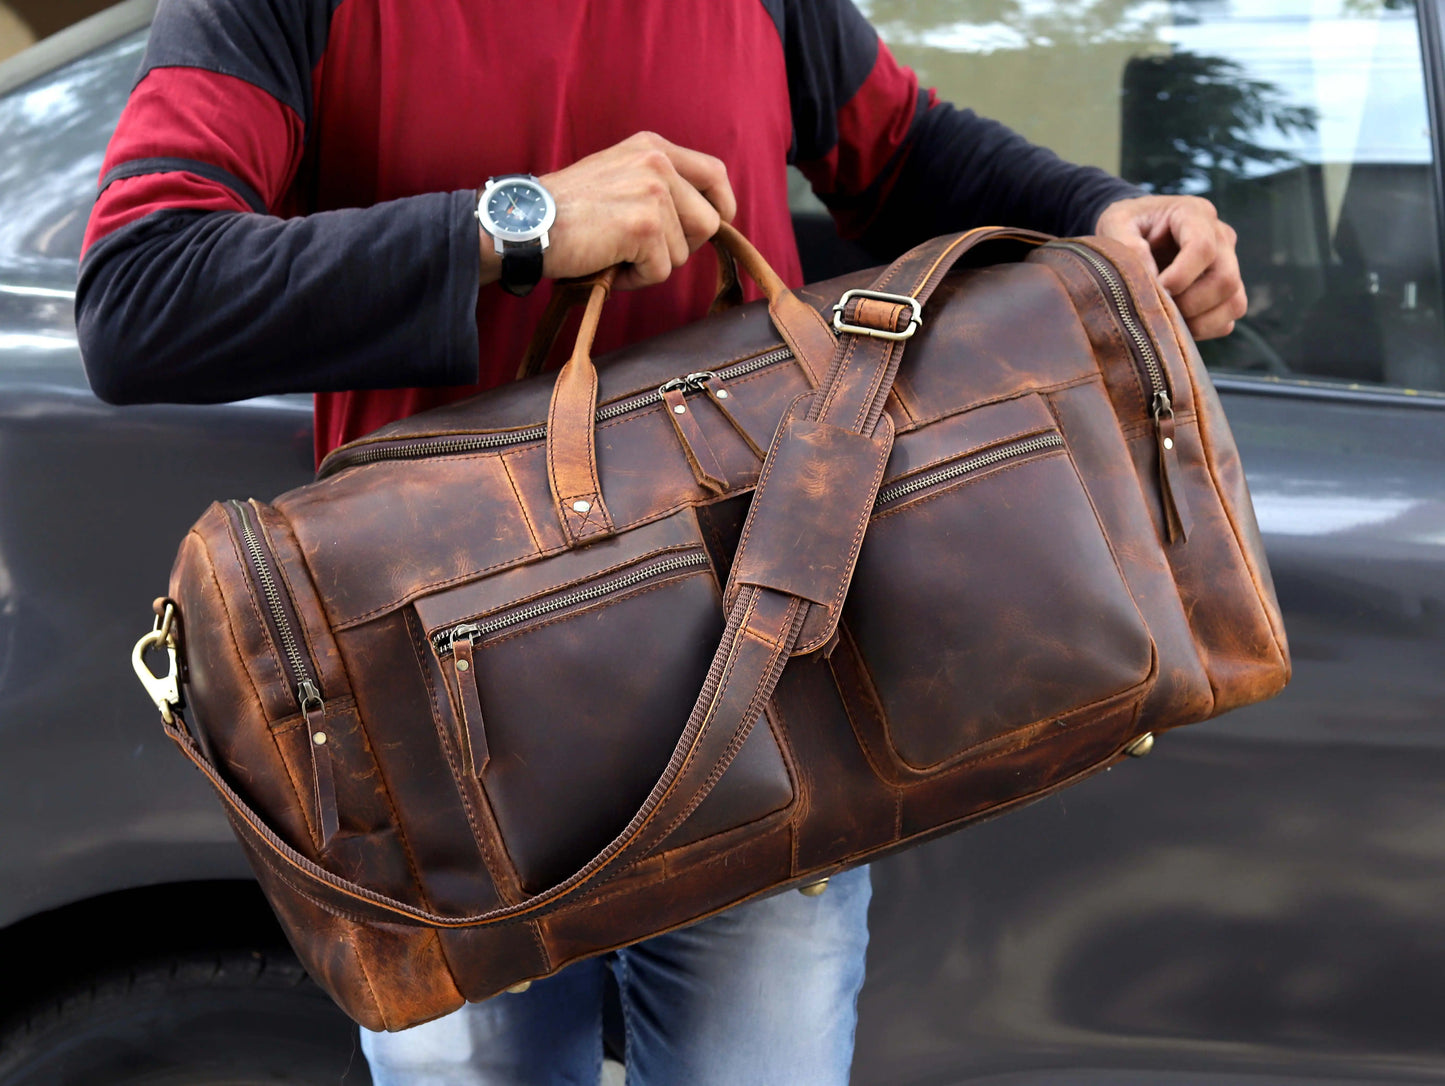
{"x":523,"y":679}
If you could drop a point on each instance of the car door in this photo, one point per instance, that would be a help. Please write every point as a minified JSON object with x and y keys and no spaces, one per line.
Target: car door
{"x":1260,"y":899}
{"x":93,"y":502}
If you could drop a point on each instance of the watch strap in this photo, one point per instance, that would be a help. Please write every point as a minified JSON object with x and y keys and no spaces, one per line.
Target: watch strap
{"x":521,"y":267}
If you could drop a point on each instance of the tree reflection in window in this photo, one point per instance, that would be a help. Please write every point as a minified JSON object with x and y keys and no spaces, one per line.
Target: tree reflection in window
{"x":1192,"y":123}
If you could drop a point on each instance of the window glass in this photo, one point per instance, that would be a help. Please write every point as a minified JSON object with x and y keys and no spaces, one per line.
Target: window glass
{"x":53,"y":132}
{"x":1305,"y":121}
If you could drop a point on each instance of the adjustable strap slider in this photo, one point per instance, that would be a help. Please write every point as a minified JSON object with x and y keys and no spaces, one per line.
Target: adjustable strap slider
{"x":863,"y":312}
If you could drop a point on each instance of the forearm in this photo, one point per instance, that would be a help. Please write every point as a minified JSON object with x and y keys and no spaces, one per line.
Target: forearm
{"x":201,"y":307}
{"x":962,"y":170}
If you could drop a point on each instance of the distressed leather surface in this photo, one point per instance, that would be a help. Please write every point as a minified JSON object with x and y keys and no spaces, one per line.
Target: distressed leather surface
{"x":879,"y":670}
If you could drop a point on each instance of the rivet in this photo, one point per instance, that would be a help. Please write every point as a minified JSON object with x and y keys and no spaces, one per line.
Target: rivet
{"x":722,"y":394}
{"x":813,"y":889}
{"x":679,"y":409}
{"x":518,"y":989}
{"x":319,"y":738}
{"x":462,"y":665}
{"x":1141,"y":746}
{"x":1169,"y":443}
{"x":581,"y":507}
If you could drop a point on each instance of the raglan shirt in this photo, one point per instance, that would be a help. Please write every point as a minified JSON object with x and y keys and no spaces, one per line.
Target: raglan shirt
{"x":288,"y":201}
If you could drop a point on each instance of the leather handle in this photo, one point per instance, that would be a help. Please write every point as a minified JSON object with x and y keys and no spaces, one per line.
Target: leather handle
{"x":568,"y":294}
{"x":571,"y":438}
{"x":764,"y":625}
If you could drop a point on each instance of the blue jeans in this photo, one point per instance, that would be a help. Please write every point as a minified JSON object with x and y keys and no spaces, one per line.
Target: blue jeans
{"x":764,"y":994}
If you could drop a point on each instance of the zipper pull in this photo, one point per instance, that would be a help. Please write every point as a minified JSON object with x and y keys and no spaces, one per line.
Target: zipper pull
{"x":1177,"y":518}
{"x":313,"y":709}
{"x":446,"y":640}
{"x":474,"y":734}
{"x":722,"y":398}
{"x":700,"y":457}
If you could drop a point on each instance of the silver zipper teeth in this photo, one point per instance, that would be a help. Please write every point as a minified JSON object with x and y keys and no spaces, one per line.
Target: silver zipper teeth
{"x":968,"y":464}
{"x":446,"y":446}
{"x":1121,"y":306}
{"x":273,"y":599}
{"x":444,"y":640}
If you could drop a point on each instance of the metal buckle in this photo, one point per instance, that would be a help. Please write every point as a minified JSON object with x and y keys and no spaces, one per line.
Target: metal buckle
{"x":164,"y":690}
{"x":914,"y":323}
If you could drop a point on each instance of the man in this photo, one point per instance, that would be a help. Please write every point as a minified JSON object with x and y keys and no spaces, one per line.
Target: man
{"x":289,"y":204}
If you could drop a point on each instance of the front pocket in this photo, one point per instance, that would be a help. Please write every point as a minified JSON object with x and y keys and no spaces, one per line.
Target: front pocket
{"x":987,"y":601}
{"x":568,"y":703}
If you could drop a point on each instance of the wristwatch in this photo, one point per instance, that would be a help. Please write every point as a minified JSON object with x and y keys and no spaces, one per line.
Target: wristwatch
{"x":517,"y":212}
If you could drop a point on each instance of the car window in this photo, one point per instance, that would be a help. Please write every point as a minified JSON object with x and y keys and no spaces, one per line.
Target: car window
{"x":1305,"y":121}
{"x":53,"y":135}
{"x":53,"y":132}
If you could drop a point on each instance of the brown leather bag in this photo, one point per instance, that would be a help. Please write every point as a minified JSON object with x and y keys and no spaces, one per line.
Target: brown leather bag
{"x":544,"y":673}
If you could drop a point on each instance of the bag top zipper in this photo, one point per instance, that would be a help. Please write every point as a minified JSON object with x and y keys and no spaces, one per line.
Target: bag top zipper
{"x":416,"y":448}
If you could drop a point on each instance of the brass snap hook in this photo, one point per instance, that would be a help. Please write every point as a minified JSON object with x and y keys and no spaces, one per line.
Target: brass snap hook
{"x":164,"y":690}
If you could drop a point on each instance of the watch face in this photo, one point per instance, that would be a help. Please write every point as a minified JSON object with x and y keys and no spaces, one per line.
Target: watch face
{"x":518,"y":209}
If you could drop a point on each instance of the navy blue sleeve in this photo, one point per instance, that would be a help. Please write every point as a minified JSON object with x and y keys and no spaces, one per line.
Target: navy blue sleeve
{"x":202,"y":307}
{"x":194,"y":289}
{"x":897,"y":166}
{"x":963,"y":170}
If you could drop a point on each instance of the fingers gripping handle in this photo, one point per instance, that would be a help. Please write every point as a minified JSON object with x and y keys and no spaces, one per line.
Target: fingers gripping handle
{"x":568,"y":294}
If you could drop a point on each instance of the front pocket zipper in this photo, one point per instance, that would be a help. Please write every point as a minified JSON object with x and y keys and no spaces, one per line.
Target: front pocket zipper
{"x":280,"y":614}
{"x":417,"y":448}
{"x":1177,"y":518}
{"x":974,"y":462}
{"x":445,"y":641}
{"x":459,"y":642}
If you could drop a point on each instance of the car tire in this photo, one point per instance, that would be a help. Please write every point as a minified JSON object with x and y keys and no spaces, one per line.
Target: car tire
{"x":231,"y":1018}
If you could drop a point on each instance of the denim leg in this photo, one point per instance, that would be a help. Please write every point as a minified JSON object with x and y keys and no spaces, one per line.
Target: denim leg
{"x":764,"y":994}
{"x":549,"y":1035}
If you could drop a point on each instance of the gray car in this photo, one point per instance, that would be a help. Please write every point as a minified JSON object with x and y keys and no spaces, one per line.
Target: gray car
{"x":1261,"y":900}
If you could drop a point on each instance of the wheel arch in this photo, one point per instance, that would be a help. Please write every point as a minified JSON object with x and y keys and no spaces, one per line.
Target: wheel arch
{"x":51,"y":951}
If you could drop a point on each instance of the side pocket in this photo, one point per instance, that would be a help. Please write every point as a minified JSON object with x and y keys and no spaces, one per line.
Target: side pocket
{"x":240,"y":574}
{"x":988,"y":602}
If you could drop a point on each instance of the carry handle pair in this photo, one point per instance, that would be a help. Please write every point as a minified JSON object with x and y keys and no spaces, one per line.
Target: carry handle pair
{"x":571,"y":432}
{"x":568,"y":294}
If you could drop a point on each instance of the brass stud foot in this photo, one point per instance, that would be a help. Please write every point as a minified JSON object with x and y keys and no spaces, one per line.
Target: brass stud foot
{"x":518,"y":989}
{"x":1141,"y":746}
{"x":813,"y":889}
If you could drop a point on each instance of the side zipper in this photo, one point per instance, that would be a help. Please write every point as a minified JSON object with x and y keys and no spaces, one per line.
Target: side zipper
{"x":300,"y":668}
{"x":1178,"y":520}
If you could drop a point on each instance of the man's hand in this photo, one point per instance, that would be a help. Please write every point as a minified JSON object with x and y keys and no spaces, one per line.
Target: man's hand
{"x":644,"y":203}
{"x":1183,"y":240}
